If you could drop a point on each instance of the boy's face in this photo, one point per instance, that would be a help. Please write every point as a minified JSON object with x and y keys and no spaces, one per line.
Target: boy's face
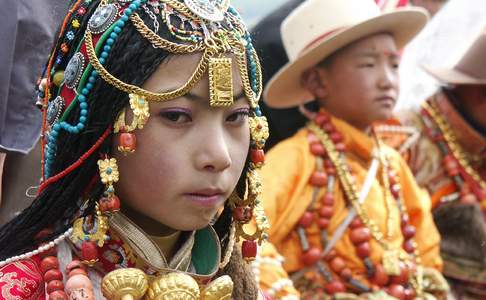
{"x":472,"y":102}
{"x":360,"y":82}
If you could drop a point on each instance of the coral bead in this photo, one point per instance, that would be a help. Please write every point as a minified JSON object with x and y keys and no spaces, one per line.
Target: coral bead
{"x":49,"y":263}
{"x":409,"y":246}
{"x":75,"y":264}
{"x":318,"y":178}
{"x":323,"y":223}
{"x":328,"y":199}
{"x":326,"y":211}
{"x":336,"y":137}
{"x":340,"y":147}
{"x":249,"y":250}
{"x":397,"y":291}
{"x":54,"y":285}
{"x":408,"y":231}
{"x":330,"y":255}
{"x":321,"y":119}
{"x":337,"y":264}
{"x":356,"y":223}
{"x":334,"y":287}
{"x":328,"y":127}
{"x":331,"y":171}
{"x":306,"y":219}
{"x":89,"y":251}
{"x":346,"y":273}
{"x":79,"y":284}
{"x":58,"y":295}
{"x":360,"y":235}
{"x":77,"y":272}
{"x":128,"y":142}
{"x":409,"y":294}
{"x":363,"y":250}
{"x":403,"y":277}
{"x":380,"y":278}
{"x":317,"y":149}
{"x":257,"y":156}
{"x":311,"y":256}
{"x":49,"y":252}
{"x":52,"y":274}
{"x":110,"y":204}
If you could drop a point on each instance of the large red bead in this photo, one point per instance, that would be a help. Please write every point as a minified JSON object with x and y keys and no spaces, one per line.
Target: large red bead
{"x":54,"y":285}
{"x":380,"y":278}
{"x":89,"y":251}
{"x":249,"y":250}
{"x":257,"y":156}
{"x":363,"y":250}
{"x":360,"y":235}
{"x":337,"y":264}
{"x":397,"y":291}
{"x":334,"y":287}
{"x":110,"y":204}
{"x":128,"y":142}
{"x":49,"y":263}
{"x":318,"y":178}
{"x":323,"y":223}
{"x":311,"y":256}
{"x":326,"y":211}
{"x":409,"y":246}
{"x":53,"y":274}
{"x":408,"y":231}
{"x":306,"y":219}
{"x":317,"y":149}
{"x":328,"y":199}
{"x":58,"y":295}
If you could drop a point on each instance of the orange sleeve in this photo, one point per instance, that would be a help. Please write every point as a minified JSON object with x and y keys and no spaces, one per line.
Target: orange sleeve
{"x":419,"y":208}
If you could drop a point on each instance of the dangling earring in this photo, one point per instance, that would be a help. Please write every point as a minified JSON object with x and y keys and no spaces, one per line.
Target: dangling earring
{"x":244,"y":209}
{"x":90,"y":231}
{"x":127,"y":140}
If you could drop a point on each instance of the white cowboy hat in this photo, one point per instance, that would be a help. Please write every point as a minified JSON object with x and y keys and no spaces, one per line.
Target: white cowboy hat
{"x":317,"y":28}
{"x":471,"y":68}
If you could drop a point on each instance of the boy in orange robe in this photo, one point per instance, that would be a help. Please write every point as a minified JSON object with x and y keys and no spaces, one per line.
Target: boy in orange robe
{"x":345,"y":211}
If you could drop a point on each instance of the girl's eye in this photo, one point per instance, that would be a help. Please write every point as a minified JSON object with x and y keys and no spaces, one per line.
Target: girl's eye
{"x":177,"y":117}
{"x":238,"y":116}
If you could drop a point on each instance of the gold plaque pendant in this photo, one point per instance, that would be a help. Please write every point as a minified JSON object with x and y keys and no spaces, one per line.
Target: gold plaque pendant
{"x":391,"y":262}
{"x":220,"y":82}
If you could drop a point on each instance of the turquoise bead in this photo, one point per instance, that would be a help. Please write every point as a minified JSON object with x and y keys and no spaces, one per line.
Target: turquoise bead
{"x":83,"y":112}
{"x":89,"y":86}
{"x":104,"y":54}
{"x":85,"y":91}
{"x":82,"y":119}
{"x":56,"y":127}
{"x":83,"y":105}
{"x":120,"y":23}
{"x":102,"y":61}
{"x":117,"y":29}
{"x":110,"y":41}
{"x":82,"y":98}
{"x":80,"y":126}
{"x":128,"y":11}
{"x":107,"y":48}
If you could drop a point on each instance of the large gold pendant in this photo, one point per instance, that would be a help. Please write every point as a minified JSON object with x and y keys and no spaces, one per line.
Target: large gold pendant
{"x":391,"y":262}
{"x":220,"y":82}
{"x":90,"y":228}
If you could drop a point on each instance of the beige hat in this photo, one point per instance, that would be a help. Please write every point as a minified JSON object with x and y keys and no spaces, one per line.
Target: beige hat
{"x":317,"y":28}
{"x":471,"y":68}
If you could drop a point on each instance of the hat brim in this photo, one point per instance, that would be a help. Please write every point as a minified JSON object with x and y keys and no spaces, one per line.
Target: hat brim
{"x":452,"y":76}
{"x":284,"y":88}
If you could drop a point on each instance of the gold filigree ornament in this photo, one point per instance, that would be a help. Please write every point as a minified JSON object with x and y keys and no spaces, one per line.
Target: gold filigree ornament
{"x":91,"y":228}
{"x":108,"y":171}
{"x":259,"y":131}
{"x":173,"y":286}
{"x":220,"y":82}
{"x":140,"y":109}
{"x":124,"y":284}
{"x":219,"y":289}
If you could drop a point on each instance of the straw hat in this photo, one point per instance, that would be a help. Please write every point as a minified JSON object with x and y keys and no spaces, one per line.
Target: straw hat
{"x":317,"y":28}
{"x":471,"y":68}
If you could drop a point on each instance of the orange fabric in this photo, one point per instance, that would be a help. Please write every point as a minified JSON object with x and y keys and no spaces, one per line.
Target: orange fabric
{"x":286,"y":195}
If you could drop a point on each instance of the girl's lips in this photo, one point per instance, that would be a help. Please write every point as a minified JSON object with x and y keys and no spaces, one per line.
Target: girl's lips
{"x":206,"y":200}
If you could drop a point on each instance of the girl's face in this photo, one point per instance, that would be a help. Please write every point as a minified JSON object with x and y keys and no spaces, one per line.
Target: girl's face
{"x":189,"y":155}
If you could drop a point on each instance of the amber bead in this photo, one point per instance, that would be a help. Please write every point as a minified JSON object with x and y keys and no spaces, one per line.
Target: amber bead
{"x":49,"y":263}
{"x":397,"y":291}
{"x":58,"y":295}
{"x":337,"y":264}
{"x":380,"y":277}
{"x":317,"y":149}
{"x":128,"y":142}
{"x":52,"y":274}
{"x":323,"y":223}
{"x":54,"y":285}
{"x":328,"y":199}
{"x":257,"y":156}
{"x":334,"y":287}
{"x":318,"y":178}
{"x":360,"y":235}
{"x":408,"y":231}
{"x":326,"y":211}
{"x":311,"y":256}
{"x":249,"y":250}
{"x":109,"y":204}
{"x":306,"y":219}
{"x":363,"y":250}
{"x":89,"y":251}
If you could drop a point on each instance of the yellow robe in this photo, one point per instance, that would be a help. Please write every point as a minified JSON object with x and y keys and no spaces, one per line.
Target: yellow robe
{"x":287,"y":193}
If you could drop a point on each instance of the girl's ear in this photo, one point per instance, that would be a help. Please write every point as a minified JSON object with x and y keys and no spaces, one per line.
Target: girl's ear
{"x":313,"y":81}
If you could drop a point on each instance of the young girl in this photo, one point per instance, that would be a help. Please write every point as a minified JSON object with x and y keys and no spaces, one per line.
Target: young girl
{"x":345,"y":211}
{"x":152,"y":138}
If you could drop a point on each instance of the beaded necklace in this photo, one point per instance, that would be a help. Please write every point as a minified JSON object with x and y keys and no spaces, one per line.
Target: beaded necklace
{"x":397,"y":275}
{"x":469,"y":183}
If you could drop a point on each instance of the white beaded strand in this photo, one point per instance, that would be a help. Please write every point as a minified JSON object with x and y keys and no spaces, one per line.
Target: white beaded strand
{"x":39,"y":250}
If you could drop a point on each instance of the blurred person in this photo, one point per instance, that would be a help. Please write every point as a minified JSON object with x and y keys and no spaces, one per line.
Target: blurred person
{"x":432,"y":6}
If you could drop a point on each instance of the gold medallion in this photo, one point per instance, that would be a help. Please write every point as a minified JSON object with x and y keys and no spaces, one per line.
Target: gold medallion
{"x":220,"y":82}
